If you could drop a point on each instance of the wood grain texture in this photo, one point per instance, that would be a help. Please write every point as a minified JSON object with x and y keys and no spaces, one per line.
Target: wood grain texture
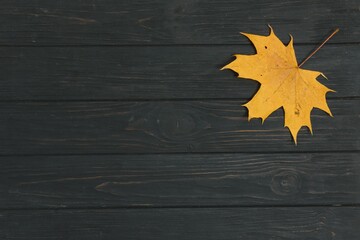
{"x":161,"y":127}
{"x":179,"y":180}
{"x":69,"y":22}
{"x":115,"y":73}
{"x":103,"y":100}
{"x":204,"y":223}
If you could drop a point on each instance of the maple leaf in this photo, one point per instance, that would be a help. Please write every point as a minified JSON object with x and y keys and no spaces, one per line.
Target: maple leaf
{"x":282,"y":82}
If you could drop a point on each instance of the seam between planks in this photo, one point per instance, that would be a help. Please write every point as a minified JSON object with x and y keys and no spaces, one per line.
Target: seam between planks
{"x":176,"y":153}
{"x":146,"y":100}
{"x":357,"y":205}
{"x":161,"y":45}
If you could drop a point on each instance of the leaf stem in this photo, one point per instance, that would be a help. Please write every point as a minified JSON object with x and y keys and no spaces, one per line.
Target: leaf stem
{"x":318,"y":48}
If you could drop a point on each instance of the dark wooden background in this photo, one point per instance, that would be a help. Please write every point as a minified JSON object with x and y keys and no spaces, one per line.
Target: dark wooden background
{"x":116,"y":123}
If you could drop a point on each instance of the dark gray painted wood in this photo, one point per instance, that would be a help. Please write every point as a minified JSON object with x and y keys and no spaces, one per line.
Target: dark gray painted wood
{"x":153,"y":72}
{"x":68,"y":22}
{"x":160,"y":127}
{"x":179,"y":180}
{"x":151,"y":189}
{"x":313,"y":223}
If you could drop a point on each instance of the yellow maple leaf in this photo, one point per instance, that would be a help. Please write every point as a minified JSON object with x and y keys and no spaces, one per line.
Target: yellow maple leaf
{"x":283,"y":82}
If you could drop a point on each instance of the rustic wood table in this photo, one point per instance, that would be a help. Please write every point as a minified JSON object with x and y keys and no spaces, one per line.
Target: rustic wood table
{"x":116,"y":123}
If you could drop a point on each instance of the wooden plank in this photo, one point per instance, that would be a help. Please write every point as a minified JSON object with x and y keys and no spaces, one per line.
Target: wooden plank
{"x":166,"y":127}
{"x":152,"y":72}
{"x":69,"y":22}
{"x":316,"y":223}
{"x":179,"y":180}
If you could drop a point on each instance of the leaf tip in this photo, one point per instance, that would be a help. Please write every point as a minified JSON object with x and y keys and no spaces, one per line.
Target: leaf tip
{"x":293,"y":132}
{"x":262,"y":120}
{"x":294,"y":136}
{"x":310,"y":129}
{"x":324,"y":76}
{"x":291,"y":42}
{"x":271,"y":29}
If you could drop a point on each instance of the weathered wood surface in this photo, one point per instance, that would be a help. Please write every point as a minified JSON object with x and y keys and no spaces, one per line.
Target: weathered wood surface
{"x":102,"y":101}
{"x":313,"y":223}
{"x":179,"y":180}
{"x":164,"y":127}
{"x":84,"y":73}
{"x":70,"y":22}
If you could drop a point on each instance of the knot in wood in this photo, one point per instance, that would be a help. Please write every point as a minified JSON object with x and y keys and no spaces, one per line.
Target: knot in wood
{"x":286,"y":182}
{"x":176,"y":124}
